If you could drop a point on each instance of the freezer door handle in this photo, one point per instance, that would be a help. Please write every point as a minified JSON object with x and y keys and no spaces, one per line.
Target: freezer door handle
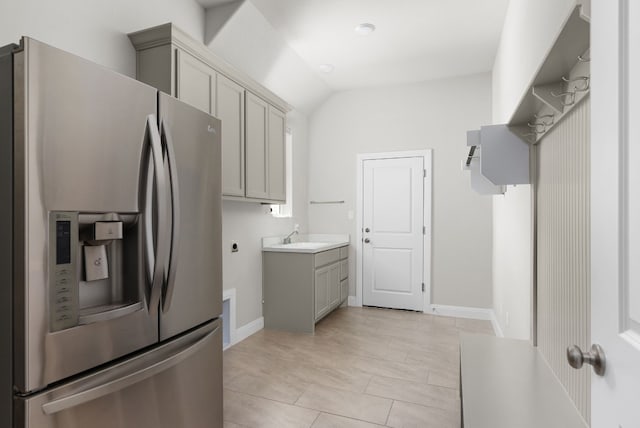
{"x":132,"y":375}
{"x":170,"y":272}
{"x":155,"y":253}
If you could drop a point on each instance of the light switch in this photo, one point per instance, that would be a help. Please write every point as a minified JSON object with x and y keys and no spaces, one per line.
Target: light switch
{"x":95,"y":262}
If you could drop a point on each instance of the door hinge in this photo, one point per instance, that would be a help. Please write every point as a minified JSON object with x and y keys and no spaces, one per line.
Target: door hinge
{"x":424,"y":230}
{"x":423,"y":287}
{"x":424,"y":173}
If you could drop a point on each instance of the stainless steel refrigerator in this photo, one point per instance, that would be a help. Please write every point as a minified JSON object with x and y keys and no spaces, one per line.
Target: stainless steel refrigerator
{"x":110,"y":249}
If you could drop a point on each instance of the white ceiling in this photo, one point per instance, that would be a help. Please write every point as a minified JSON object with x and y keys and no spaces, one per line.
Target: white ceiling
{"x":415,"y":40}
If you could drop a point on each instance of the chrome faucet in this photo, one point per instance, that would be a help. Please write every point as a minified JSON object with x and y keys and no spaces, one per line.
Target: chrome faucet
{"x":287,"y":240}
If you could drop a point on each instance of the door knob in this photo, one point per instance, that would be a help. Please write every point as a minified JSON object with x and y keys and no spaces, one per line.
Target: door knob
{"x":595,"y":357}
{"x":367,"y":230}
{"x":366,"y":240}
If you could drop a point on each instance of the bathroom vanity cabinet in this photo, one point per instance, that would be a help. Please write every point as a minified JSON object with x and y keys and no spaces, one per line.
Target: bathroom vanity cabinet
{"x":301,"y":288}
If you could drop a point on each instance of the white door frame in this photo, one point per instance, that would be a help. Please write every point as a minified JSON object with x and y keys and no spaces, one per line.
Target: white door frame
{"x":427,"y":156}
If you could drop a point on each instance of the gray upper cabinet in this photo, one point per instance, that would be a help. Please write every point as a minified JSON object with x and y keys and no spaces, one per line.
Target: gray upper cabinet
{"x":196,"y":82}
{"x":253,"y":118}
{"x":265,"y":150}
{"x":230,"y":109}
{"x":257,"y":154}
{"x":277,"y":154}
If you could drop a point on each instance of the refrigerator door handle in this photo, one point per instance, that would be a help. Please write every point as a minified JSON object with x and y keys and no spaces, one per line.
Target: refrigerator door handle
{"x":154,"y":258}
{"x":170,"y":272}
{"x":107,"y":385}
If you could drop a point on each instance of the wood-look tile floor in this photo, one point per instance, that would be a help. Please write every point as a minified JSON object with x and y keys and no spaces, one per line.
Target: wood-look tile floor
{"x":363,"y":368}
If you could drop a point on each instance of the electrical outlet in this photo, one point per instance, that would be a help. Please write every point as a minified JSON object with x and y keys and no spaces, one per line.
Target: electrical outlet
{"x":234,"y":246}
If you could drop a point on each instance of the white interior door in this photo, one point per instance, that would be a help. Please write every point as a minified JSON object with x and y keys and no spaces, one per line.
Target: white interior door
{"x":393,"y":239}
{"x":615,"y":211}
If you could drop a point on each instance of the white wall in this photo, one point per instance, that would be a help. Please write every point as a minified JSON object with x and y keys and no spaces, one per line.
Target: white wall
{"x":512,"y":267}
{"x":435,"y":115}
{"x":529,"y":31}
{"x":96,"y":30}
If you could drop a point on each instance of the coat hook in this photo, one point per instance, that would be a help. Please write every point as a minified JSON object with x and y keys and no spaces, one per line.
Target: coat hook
{"x":546,"y":116}
{"x":584,"y":79}
{"x":571,"y":94}
{"x":536,"y":126}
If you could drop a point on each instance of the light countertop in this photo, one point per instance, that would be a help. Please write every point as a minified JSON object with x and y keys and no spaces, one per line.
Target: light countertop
{"x":305,"y":243}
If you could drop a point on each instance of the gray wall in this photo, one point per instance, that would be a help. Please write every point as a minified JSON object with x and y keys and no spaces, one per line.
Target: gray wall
{"x":96,"y":30}
{"x":434,"y":115}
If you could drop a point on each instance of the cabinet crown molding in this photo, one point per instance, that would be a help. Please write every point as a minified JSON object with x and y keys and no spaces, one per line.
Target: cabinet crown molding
{"x":168,"y":33}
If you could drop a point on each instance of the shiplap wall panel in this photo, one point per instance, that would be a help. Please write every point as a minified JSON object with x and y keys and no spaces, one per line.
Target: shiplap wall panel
{"x":563,"y":235}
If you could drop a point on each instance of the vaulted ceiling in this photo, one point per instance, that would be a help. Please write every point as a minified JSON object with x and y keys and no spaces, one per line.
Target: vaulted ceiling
{"x":414,"y":40}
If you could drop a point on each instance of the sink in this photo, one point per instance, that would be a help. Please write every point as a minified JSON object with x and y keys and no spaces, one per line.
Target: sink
{"x":311,"y":244}
{"x":302,"y":245}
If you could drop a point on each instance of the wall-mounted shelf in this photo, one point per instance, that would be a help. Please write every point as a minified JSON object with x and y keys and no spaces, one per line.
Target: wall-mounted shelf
{"x":497,"y":157}
{"x":505,"y":156}
{"x":561,"y":82}
{"x":479,"y":182}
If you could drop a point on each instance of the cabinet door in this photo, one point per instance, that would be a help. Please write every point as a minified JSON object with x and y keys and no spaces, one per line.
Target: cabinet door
{"x":322,"y":281}
{"x":344,"y":290}
{"x":195,"y":82}
{"x":334,"y":284}
{"x":257,"y":150}
{"x":344,"y":269}
{"x":230,"y":108}
{"x":277,"y":155}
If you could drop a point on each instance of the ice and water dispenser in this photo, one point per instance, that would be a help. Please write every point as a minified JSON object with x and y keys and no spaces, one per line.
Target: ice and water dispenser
{"x":95,"y":270}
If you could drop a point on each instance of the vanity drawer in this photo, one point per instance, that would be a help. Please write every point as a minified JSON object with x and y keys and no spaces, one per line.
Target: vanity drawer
{"x":344,"y":269}
{"x":344,"y":252}
{"x":327,"y":257}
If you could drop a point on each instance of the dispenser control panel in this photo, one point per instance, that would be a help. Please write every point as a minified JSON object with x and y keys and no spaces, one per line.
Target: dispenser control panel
{"x":63,"y":270}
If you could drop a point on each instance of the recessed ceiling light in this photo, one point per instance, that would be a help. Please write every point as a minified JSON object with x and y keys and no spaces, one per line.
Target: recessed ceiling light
{"x":326,"y":68}
{"x":365,"y":29}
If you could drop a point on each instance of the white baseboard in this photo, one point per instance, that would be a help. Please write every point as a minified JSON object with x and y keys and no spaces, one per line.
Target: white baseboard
{"x":353,"y":301}
{"x":462,"y":312}
{"x":230,"y":317}
{"x":496,"y":325}
{"x":471,"y":313}
{"x":247,"y":330}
